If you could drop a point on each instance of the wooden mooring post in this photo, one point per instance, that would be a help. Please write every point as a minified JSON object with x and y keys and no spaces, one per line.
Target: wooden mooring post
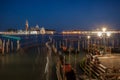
{"x":7,"y":46}
{"x":3,"y":47}
{"x":12,"y":46}
{"x":18,"y":45}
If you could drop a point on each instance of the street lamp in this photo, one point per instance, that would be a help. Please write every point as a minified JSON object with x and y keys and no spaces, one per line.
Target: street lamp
{"x":104,"y":29}
{"x":99,"y":34}
{"x":88,"y":37}
{"x":108,"y":34}
{"x":104,"y":34}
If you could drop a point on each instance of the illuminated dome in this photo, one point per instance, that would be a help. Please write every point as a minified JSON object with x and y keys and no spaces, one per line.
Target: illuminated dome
{"x":42,"y":30}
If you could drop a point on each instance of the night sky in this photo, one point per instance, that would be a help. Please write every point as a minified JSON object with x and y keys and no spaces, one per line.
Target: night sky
{"x":60,"y":14}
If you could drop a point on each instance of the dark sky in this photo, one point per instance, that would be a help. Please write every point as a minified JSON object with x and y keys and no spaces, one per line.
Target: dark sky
{"x":60,"y":14}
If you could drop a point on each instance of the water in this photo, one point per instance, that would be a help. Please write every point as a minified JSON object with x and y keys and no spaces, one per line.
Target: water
{"x":17,"y":67}
{"x":29,"y":63}
{"x":26,"y":64}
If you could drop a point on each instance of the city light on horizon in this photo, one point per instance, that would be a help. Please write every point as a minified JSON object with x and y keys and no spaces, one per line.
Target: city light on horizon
{"x":104,"y":29}
{"x":108,"y":34}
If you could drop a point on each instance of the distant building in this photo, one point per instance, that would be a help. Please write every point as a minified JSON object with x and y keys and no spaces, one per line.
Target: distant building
{"x":29,"y":30}
{"x":42,"y":30}
{"x":49,"y":31}
{"x":33,"y":32}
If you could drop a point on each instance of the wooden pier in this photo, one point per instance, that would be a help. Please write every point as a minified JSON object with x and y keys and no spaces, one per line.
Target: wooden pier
{"x":102,"y":67}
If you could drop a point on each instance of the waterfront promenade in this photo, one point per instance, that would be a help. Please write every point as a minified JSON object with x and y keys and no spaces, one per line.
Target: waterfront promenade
{"x":111,"y":61}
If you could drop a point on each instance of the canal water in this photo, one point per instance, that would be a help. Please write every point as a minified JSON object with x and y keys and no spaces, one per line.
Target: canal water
{"x":26,"y":64}
{"x":17,"y":67}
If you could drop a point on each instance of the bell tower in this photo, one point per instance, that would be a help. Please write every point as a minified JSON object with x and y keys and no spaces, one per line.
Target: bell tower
{"x":26,"y":25}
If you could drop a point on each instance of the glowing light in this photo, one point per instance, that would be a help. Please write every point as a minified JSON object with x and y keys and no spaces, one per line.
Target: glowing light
{"x":99,"y":34}
{"x":88,"y":37}
{"x":103,"y":29}
{"x":108,"y":34}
